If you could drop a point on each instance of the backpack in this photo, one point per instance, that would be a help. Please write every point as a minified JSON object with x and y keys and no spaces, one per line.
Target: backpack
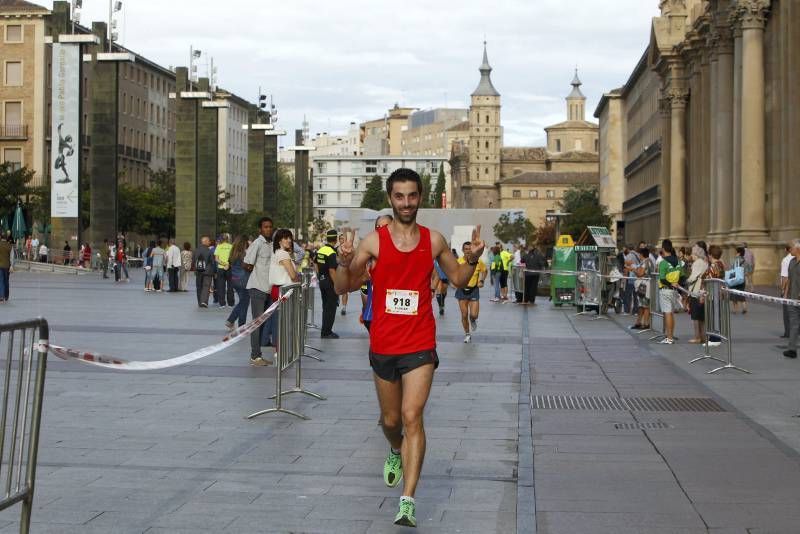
{"x":200,"y":265}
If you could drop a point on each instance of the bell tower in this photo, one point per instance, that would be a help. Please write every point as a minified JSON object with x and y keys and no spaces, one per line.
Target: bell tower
{"x":485,"y":141}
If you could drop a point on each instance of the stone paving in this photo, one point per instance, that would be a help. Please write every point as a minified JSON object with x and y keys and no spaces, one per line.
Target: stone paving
{"x":170,"y":451}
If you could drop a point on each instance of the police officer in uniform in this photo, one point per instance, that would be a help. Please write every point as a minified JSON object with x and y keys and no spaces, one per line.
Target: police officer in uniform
{"x":326,"y":265}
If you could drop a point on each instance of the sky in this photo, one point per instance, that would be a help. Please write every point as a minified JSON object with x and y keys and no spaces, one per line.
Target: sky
{"x":351,"y":60}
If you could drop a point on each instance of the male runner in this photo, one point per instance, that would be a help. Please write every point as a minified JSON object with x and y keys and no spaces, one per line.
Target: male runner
{"x":439,"y":283}
{"x":403,"y":331}
{"x":469,"y":297}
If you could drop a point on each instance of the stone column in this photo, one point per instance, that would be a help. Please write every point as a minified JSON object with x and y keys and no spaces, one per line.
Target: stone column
{"x":736,"y":190}
{"x":724,"y":136}
{"x":677,"y":228}
{"x":664,"y":192}
{"x":753,"y":15}
{"x":715,"y":206}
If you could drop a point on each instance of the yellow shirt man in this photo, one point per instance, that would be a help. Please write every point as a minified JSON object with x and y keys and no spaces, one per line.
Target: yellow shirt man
{"x":223,"y":255}
{"x":506,"y":257}
{"x":479,"y":274}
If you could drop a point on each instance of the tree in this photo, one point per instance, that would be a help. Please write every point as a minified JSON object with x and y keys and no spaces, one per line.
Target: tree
{"x":148,"y":210}
{"x":284,"y":214}
{"x":545,"y":235}
{"x":246,"y":223}
{"x":438,"y":192}
{"x":514,"y":228}
{"x":426,"y":191}
{"x":14,"y":187}
{"x":375,"y":196}
{"x":318,"y":228}
{"x":583,"y":202}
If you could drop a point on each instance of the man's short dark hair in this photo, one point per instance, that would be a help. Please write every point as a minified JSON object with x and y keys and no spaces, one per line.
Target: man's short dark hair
{"x":667,"y":246}
{"x":466,"y":243}
{"x":262,"y":220}
{"x":403,"y":175}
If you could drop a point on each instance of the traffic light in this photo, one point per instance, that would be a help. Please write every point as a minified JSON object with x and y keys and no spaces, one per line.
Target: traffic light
{"x":262,"y":101}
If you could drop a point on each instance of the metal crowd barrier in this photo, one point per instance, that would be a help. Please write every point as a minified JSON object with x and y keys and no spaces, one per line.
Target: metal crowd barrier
{"x":292,"y":316}
{"x":308,"y":311}
{"x":23,"y":344}
{"x":717,"y":308}
{"x":655,"y":310}
{"x":307,"y":280}
{"x":517,"y":281}
{"x":588,"y":292}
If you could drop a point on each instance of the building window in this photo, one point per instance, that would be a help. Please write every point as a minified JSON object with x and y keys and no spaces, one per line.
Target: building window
{"x":320,"y":183}
{"x":12,"y":117}
{"x":372,"y":166}
{"x":533,"y":193}
{"x":14,"y":33}
{"x":321,"y":167}
{"x":549,"y":215}
{"x":516,"y":193}
{"x":320,"y":200}
{"x":487,"y":119}
{"x":558,"y":145}
{"x":486,"y":170}
{"x":13,"y":156}
{"x":13,"y":74}
{"x":356,"y":183}
{"x":551,"y":194}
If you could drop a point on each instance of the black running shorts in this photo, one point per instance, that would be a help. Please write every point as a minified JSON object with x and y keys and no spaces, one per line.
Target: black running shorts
{"x":391,"y":368}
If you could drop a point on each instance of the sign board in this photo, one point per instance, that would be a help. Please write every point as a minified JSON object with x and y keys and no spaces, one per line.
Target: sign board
{"x":65,"y":135}
{"x":602,"y":236}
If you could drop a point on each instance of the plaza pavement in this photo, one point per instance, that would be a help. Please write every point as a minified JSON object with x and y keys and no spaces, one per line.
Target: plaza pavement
{"x":170,"y":451}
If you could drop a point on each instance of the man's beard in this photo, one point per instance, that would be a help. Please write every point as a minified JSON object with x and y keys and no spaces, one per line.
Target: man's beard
{"x":405,"y":219}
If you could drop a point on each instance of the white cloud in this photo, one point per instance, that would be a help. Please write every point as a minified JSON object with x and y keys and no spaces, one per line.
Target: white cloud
{"x":351,"y":60}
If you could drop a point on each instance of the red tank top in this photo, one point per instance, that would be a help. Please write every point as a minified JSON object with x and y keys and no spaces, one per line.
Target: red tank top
{"x":398,"y":327}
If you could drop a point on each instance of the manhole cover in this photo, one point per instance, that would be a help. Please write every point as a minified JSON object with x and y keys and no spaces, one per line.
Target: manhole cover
{"x":635,"y":404}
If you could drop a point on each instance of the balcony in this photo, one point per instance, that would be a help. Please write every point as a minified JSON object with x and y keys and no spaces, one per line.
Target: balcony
{"x":14,"y":132}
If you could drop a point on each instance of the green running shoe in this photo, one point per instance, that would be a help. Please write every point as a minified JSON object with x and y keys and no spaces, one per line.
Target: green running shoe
{"x":392,"y":469}
{"x":406,"y":516}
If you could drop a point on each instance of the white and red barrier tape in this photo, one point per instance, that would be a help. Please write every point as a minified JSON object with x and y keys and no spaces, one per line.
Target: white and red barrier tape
{"x":110,"y":362}
{"x":763,"y":298}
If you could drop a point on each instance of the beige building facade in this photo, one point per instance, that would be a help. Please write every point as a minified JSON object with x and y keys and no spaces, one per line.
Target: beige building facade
{"x":384,"y":136}
{"x":23,"y":98}
{"x":727,"y":75}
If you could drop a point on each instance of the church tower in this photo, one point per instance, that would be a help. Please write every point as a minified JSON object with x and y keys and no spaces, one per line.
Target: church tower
{"x":576,"y":102}
{"x":485,"y":141}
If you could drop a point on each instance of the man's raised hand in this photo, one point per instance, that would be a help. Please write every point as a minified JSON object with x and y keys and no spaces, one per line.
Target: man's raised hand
{"x":477,"y":243}
{"x":347,"y":249}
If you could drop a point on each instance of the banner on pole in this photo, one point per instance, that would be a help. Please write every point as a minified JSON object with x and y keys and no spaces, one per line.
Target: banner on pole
{"x":65,"y":134}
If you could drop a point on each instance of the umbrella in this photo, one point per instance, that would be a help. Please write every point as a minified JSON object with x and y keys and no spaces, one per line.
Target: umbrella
{"x":18,"y":228}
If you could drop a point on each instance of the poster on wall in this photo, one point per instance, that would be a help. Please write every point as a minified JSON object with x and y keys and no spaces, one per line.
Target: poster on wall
{"x":65,"y":135}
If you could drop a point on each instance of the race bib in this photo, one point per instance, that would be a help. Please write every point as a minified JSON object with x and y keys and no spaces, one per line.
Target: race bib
{"x":402,"y":302}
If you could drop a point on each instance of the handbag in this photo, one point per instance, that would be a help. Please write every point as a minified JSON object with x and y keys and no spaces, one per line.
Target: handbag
{"x":734,"y":276}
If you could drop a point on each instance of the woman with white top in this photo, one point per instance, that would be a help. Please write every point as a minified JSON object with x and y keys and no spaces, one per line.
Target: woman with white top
{"x":282,"y":270}
{"x":695,"y":285}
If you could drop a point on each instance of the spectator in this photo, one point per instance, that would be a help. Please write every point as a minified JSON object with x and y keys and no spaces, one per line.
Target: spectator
{"x":35,"y":249}
{"x":43,"y":253}
{"x":630,"y":264}
{"x":695,"y":285}
{"x":239,"y":278}
{"x":6,"y":268}
{"x":203,"y":270}
{"x":104,"y":256}
{"x":186,"y":266}
{"x":282,"y":271}
{"x":497,"y":269}
{"x":158,"y":255}
{"x":784,"y":287}
{"x":222,"y":282}
{"x":642,"y":272}
{"x":738,"y":300}
{"x":669,"y":272}
{"x":344,"y":296}
{"x":173,"y":257}
{"x":534,"y":260}
{"x":749,"y":268}
{"x":67,"y":253}
{"x":256,"y":261}
{"x":121,"y":257}
{"x":794,"y":293}
{"x":147,"y":262}
{"x":86,"y":256}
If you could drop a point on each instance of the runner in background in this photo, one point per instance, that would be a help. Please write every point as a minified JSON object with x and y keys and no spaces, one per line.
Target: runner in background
{"x":346,"y":296}
{"x":469,"y":297}
{"x":403,"y":331}
{"x":439,"y":283}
